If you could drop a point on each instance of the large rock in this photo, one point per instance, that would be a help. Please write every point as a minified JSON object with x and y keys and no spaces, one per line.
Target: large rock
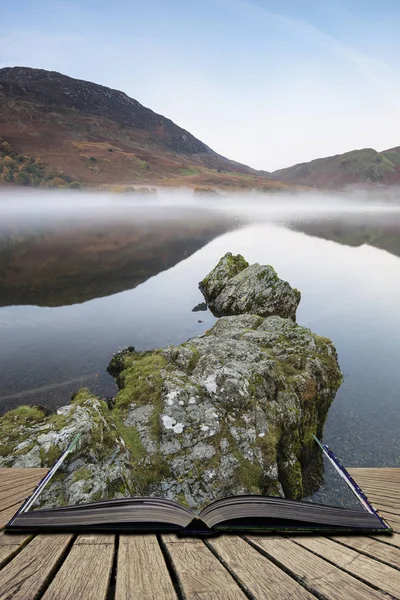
{"x":100,"y":466}
{"x":233,"y":288}
{"x":228,"y":412}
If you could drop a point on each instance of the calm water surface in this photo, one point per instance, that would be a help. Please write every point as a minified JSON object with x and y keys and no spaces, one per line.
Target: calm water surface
{"x":78,"y":285}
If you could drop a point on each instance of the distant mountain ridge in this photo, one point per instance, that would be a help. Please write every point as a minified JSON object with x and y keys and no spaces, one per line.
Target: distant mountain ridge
{"x":366,"y":168}
{"x":87,"y":133}
{"x":98,"y":135}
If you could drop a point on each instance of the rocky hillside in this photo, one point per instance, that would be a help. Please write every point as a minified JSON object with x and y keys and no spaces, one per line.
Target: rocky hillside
{"x":362,"y":168}
{"x":229,"y":412}
{"x":97,"y":135}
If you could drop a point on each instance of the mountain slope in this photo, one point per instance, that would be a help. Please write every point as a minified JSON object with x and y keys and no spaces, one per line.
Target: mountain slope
{"x":366,"y":167}
{"x":97,"y":135}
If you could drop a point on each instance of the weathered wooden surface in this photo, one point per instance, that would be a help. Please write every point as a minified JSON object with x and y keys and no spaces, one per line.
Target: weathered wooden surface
{"x":150,"y":567}
{"x":85,"y":572}
{"x":142,"y":571}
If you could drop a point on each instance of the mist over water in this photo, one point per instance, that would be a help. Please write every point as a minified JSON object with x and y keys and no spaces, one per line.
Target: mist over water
{"x":83,"y":275}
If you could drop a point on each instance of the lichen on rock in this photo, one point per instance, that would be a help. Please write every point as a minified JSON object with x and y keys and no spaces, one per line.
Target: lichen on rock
{"x":234,"y":287}
{"x":228,"y":412}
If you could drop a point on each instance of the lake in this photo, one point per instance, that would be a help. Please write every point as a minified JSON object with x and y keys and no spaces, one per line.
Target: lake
{"x":85,"y":275}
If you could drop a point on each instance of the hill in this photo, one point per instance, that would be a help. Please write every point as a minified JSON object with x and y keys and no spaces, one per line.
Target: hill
{"x":364,"y":168}
{"x":91,"y":134}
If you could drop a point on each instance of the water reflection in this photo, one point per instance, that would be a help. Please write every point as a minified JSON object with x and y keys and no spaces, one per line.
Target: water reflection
{"x":350,"y":293}
{"x":67,"y":263}
{"x":377,"y":230}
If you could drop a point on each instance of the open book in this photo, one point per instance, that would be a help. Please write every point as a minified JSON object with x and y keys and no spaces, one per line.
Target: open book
{"x":235,"y":514}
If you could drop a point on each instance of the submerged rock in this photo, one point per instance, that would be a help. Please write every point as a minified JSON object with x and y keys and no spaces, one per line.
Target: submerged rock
{"x":200,"y":306}
{"x":233,"y":288}
{"x":229,"y":412}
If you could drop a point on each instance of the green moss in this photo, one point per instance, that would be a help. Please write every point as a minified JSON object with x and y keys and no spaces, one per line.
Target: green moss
{"x":97,"y":496}
{"x":194,"y":359}
{"x":269,"y":444}
{"x":23,"y":415}
{"x":181,"y":499}
{"x":235,"y":264}
{"x":152,"y":473}
{"x":130,"y":435}
{"x":104,"y":436}
{"x":25,"y":450}
{"x":16,"y":426}
{"x":51,"y":456}
{"x":272,"y":488}
{"x":272,"y":275}
{"x":117,"y":363}
{"x":248,"y":474}
{"x":82,"y":474}
{"x":155,"y":422}
{"x":229,"y":265}
{"x":142,"y":381}
{"x":115,"y":488}
{"x":7,"y":448}
{"x":290,"y":476}
{"x":58,"y":422}
{"x":81,"y":397}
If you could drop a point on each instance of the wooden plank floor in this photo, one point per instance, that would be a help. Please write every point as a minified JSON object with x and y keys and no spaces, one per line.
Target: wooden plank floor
{"x":150,"y":567}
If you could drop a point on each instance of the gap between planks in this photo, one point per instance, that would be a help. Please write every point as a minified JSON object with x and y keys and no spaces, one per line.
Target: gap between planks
{"x":319,"y":575}
{"x":374,"y":573}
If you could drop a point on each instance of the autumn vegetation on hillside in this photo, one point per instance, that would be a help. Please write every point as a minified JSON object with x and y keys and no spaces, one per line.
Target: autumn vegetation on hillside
{"x":29,"y":171}
{"x":102,"y":139}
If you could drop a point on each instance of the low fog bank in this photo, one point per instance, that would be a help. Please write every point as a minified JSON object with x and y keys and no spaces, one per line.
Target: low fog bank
{"x":37,"y":208}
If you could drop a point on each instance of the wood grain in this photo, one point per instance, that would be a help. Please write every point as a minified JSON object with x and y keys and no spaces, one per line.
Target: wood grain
{"x":393,"y":520}
{"x":385,"y":505}
{"x":17,"y":488}
{"x":13,"y":498}
{"x":7,"y":471}
{"x":387,"y":473}
{"x":10,"y":545}
{"x":201,"y":575}
{"x":338,"y":568}
{"x":260,"y":576}
{"x":26,"y":575}
{"x":141,"y":570}
{"x":372,"y":547}
{"x":392,"y":540}
{"x":382,"y":484}
{"x":8,"y":513}
{"x":86,"y":571}
{"x":31,"y":480}
{"x":317,"y":574}
{"x":380,"y":575}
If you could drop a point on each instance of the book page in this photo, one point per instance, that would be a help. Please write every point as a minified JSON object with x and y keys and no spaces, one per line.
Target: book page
{"x":334,"y":490}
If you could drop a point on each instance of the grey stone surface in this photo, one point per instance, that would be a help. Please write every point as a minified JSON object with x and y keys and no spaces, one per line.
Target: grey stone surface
{"x":233,"y":288}
{"x":231,"y":411}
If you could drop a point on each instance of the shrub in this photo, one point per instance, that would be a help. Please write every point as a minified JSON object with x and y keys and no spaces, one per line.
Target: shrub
{"x":26,"y":170}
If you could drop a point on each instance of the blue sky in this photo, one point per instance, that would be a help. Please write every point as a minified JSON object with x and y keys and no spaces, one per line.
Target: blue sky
{"x":263,"y":82}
